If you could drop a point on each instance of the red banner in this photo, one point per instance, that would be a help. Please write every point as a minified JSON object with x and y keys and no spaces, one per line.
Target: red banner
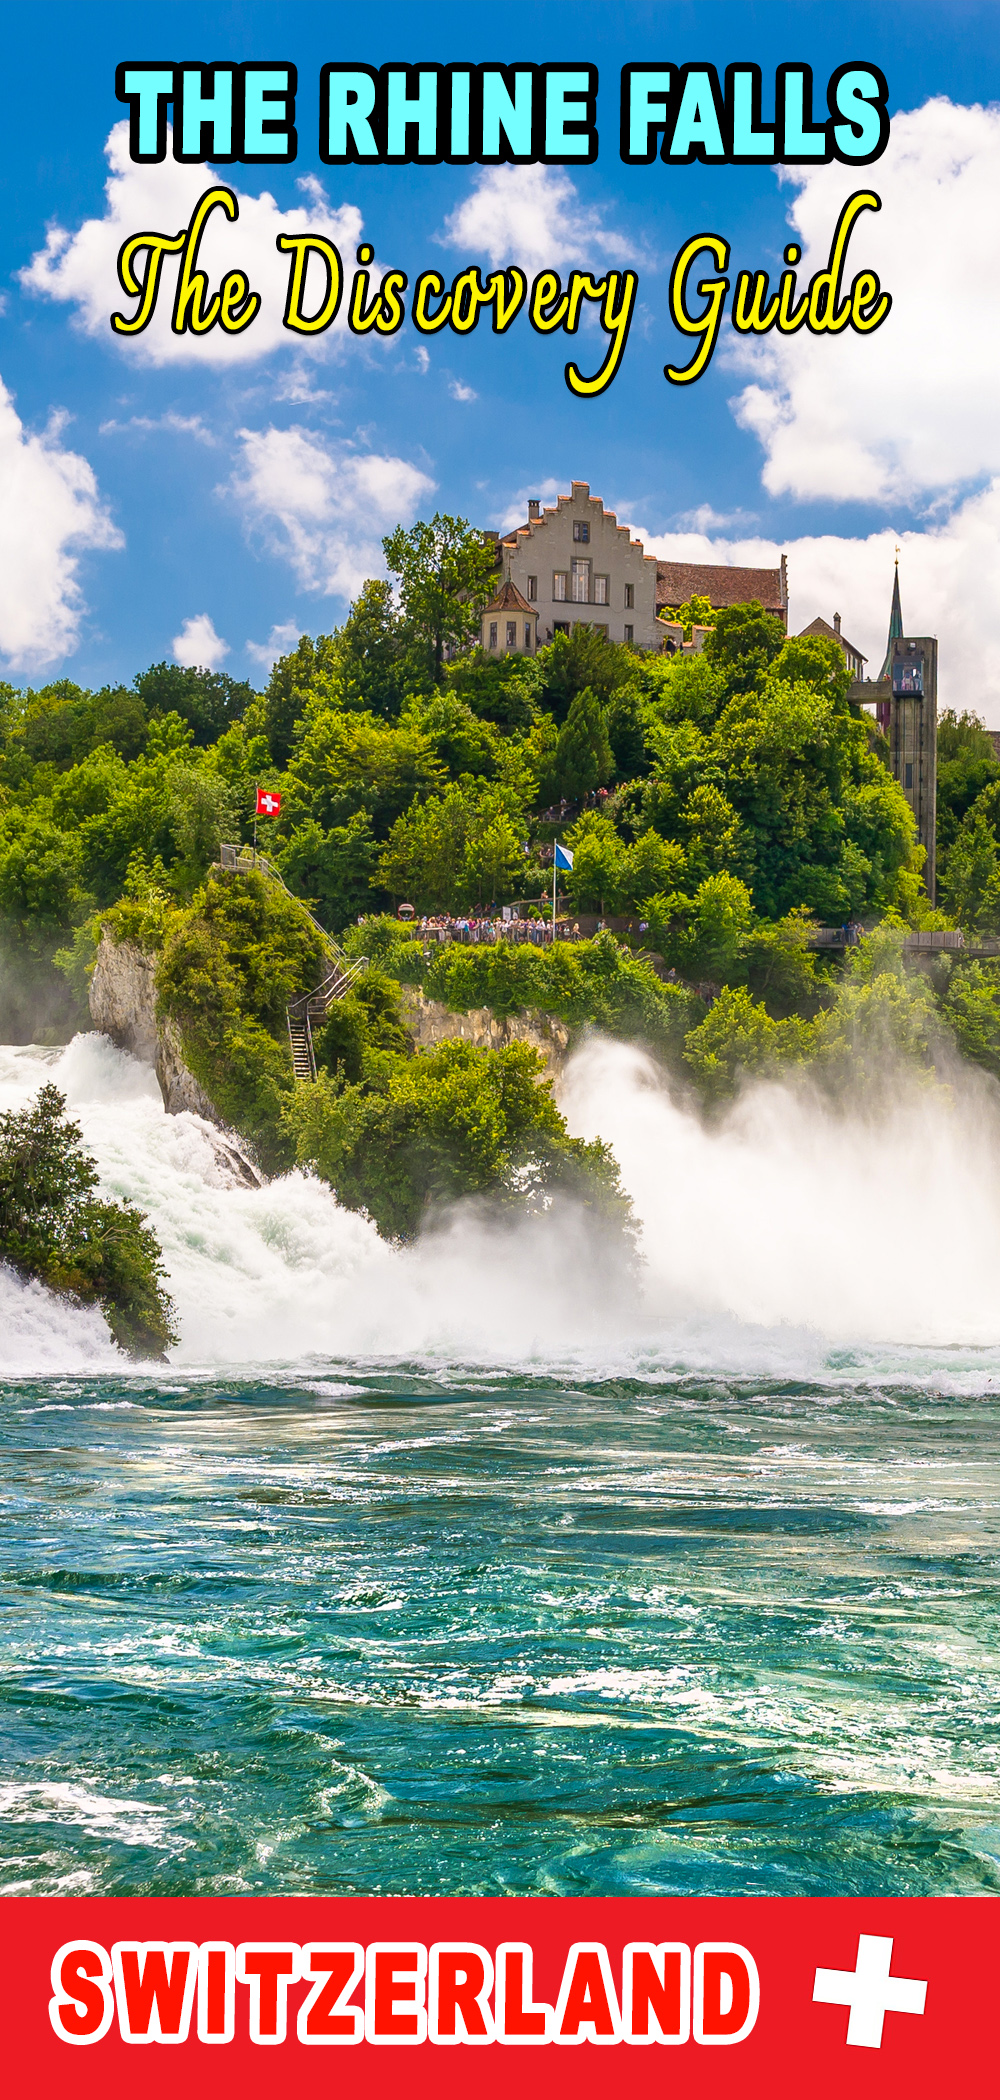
{"x":750,"y":1997}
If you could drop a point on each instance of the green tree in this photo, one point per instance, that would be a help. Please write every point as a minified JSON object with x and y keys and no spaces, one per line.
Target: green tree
{"x":583,"y":754}
{"x":348,"y":762}
{"x":446,"y":571}
{"x":452,"y":1122}
{"x":203,"y":814}
{"x":743,"y":644}
{"x":53,"y":1227}
{"x":738,"y":1039}
{"x":966,"y":764}
{"x":333,"y":870}
{"x":293,"y":678}
{"x":459,"y":849}
{"x":696,"y":611}
{"x":500,"y":689}
{"x":229,"y":967}
{"x":970,"y":886}
{"x":626,"y":734}
{"x":208,"y":700}
{"x":371,"y":652}
{"x":972,"y":1006}
{"x":583,"y":658}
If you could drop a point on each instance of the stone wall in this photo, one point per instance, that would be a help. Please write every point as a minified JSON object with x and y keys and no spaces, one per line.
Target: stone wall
{"x":430,"y":1022}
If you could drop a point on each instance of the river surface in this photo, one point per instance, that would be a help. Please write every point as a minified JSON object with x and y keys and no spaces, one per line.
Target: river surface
{"x":676,"y":1603}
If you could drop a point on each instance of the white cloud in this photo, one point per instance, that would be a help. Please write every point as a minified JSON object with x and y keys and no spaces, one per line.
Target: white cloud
{"x":460,"y":392}
{"x":516,"y":512}
{"x":179,"y":426}
{"x":81,"y":267}
{"x":324,"y":508}
{"x":949,"y":578}
{"x":280,"y":641}
{"x":533,"y":216}
{"x":198,"y":646}
{"x":914,"y":408}
{"x":51,"y":511}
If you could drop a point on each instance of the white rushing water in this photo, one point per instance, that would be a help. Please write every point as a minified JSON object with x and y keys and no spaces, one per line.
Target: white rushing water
{"x":770,"y":1237}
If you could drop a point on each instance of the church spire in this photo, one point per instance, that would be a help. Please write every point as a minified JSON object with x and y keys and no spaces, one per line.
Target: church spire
{"x":895,"y":621}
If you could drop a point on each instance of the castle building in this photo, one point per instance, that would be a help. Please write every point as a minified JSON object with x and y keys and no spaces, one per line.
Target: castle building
{"x":677,"y":582}
{"x":572,"y":561}
{"x":509,"y":625}
{"x":852,"y":656}
{"x":905,"y":699}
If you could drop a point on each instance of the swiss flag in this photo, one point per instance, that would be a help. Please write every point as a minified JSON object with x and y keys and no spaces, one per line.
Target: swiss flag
{"x":268,"y":802}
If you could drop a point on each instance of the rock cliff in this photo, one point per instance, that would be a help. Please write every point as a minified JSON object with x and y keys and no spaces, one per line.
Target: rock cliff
{"x":123,"y":1006}
{"x":430,"y":1022}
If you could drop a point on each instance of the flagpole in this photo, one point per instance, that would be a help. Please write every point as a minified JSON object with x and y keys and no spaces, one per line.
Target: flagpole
{"x":553,"y":894}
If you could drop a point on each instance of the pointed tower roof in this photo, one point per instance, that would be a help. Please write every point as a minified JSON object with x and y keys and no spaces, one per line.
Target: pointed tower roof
{"x":895,"y":622}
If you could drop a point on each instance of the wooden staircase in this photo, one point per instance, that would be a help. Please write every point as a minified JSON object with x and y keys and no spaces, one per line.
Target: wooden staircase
{"x":314,"y":1005}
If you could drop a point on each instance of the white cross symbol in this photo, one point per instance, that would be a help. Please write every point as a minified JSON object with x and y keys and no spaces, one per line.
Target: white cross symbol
{"x":267,"y":802}
{"x":870,"y":1991}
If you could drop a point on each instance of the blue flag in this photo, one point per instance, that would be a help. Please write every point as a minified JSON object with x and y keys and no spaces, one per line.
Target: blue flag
{"x":564,"y":858}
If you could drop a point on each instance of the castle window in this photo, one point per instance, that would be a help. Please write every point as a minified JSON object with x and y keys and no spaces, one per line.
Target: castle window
{"x":559,"y":582}
{"x":581,"y":582}
{"x":600,"y":590}
{"x":629,"y":596}
{"x":908,"y":782}
{"x":560,"y":626}
{"x":581,"y":530}
{"x":630,"y":634}
{"x":527,"y":635}
{"x":512,"y":634}
{"x":532,"y":588}
{"x":493,"y":634}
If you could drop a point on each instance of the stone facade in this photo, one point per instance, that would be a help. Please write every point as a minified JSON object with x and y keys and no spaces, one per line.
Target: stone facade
{"x":574,"y":562}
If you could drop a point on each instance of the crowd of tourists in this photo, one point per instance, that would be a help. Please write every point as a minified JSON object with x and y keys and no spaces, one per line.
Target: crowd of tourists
{"x":439,"y":927}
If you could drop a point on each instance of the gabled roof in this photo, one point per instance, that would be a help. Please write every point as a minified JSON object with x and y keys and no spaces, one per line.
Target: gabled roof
{"x":509,"y":599}
{"x":678,"y":581}
{"x":823,"y":627}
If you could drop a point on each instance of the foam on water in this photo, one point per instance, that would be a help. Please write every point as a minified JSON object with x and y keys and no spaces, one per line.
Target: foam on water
{"x":771,"y":1240}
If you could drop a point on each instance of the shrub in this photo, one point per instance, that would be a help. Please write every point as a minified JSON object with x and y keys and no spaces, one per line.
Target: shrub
{"x":54,"y":1228}
{"x":451,"y":1122}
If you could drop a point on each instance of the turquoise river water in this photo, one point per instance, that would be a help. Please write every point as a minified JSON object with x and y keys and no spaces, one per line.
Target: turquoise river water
{"x":573,"y":1597}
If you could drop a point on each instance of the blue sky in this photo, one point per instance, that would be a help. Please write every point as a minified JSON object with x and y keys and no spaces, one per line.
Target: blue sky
{"x":237,"y":492}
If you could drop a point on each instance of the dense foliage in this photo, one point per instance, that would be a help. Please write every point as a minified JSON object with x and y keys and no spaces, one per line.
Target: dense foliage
{"x":53,"y":1227}
{"x":721,"y":800}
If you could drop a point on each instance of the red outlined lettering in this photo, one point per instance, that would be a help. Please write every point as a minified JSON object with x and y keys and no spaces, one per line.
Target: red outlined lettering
{"x":325,"y":2018}
{"x":395,"y":2011}
{"x":268,"y":1966}
{"x":656,"y":1992}
{"x":154,"y":1986}
{"x":726,"y":1993}
{"x":519,"y":2021}
{"x":216,"y":1991}
{"x":587,"y":2005}
{"x":459,"y":1982}
{"x":82,"y":2005}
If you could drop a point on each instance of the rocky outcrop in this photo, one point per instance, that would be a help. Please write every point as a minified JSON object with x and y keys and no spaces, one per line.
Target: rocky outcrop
{"x":123,"y":1006}
{"x":429,"y":1022}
